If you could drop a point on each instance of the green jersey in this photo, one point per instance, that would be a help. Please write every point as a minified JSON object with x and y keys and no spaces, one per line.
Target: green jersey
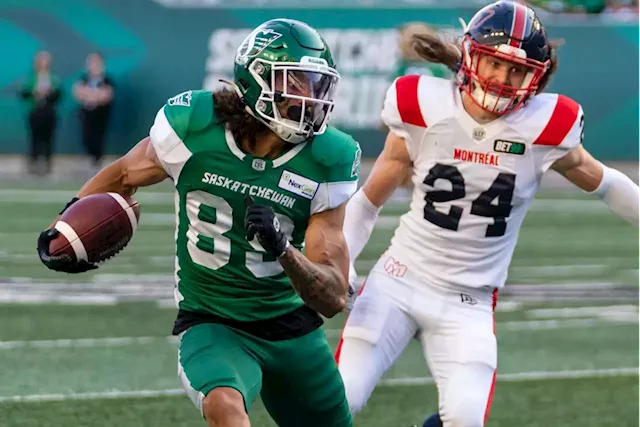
{"x":217,"y":270}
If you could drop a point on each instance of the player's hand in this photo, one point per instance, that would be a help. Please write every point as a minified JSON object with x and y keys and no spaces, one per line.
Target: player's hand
{"x":261,"y":221}
{"x":63,"y":263}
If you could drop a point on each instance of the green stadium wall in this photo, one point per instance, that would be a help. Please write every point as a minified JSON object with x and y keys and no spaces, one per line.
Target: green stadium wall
{"x":154,"y":52}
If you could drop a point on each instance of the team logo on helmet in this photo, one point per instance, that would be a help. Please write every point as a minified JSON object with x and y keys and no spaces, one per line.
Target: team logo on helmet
{"x":255,"y":43}
{"x":183,"y":99}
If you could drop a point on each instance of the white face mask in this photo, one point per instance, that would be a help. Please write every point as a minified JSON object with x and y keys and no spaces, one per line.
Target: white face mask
{"x":310,"y":84}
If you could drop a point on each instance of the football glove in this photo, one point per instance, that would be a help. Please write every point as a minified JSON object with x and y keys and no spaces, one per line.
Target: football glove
{"x":63,"y":262}
{"x":261,"y":221}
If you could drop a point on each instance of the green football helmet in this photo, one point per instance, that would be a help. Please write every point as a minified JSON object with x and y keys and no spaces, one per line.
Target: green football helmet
{"x":286,"y":77}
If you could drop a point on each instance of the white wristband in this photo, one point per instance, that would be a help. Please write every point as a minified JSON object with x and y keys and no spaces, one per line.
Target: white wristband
{"x":361,"y":215}
{"x":620,"y":193}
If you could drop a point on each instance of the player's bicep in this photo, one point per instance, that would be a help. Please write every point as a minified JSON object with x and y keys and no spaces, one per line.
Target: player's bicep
{"x":140,"y":166}
{"x":389,"y":171}
{"x":580,"y":168}
{"x":324,"y":240}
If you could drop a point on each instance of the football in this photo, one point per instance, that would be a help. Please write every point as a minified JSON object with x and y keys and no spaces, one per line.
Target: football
{"x":96,"y":227}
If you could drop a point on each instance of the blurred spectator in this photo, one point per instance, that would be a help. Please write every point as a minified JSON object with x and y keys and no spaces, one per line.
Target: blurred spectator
{"x":94,"y":92}
{"x":570,"y":6}
{"x":41,"y":90}
{"x":622,"y":9}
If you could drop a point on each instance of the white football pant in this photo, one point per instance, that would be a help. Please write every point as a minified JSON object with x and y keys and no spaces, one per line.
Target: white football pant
{"x":454,"y":326}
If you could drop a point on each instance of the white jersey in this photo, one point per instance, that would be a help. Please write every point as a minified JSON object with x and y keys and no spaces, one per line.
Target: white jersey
{"x":472,"y":183}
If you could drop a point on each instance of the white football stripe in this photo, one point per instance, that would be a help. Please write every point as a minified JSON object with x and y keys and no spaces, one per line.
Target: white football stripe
{"x":128,"y":209}
{"x":71,"y":235}
{"x":391,"y":382}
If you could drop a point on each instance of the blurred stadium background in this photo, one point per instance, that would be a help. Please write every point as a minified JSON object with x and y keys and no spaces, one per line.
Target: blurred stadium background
{"x":93,"y":350}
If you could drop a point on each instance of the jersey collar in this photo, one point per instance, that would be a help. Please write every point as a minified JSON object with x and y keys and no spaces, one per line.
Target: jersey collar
{"x":275,"y":163}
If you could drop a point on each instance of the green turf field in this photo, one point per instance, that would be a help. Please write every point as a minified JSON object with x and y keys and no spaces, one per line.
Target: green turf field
{"x":94,"y":350}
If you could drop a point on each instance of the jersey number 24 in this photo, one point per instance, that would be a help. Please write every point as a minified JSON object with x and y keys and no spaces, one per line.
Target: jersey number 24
{"x":502,"y":189}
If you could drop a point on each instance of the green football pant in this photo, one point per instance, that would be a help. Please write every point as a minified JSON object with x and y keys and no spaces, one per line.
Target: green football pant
{"x":297,"y":379}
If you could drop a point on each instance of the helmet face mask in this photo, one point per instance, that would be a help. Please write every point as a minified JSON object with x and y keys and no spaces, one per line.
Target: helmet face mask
{"x":506,"y":33}
{"x":494,"y":96}
{"x":295,"y":97}
{"x":287,"y":78}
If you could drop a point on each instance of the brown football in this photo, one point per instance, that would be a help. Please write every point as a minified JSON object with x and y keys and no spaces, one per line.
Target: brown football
{"x":96,"y":227}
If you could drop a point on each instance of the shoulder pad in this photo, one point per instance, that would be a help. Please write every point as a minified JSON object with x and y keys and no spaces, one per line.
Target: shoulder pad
{"x":551,"y":120}
{"x":333,"y":147}
{"x":189,"y":111}
{"x":340,"y":152}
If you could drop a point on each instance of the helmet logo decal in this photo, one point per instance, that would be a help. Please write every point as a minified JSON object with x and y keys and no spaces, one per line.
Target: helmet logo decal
{"x":255,"y":43}
{"x":183,"y":99}
{"x":474,"y":25}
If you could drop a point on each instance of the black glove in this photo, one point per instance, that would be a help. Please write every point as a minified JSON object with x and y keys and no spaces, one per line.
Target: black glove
{"x":63,"y":262}
{"x":260,"y":220}
{"x":72,"y":201}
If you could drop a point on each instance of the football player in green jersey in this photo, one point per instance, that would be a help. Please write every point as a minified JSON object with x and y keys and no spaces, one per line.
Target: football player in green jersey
{"x":260,"y":178}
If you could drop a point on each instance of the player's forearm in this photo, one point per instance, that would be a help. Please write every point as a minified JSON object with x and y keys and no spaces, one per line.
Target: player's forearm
{"x":138,"y":168}
{"x":322,"y":287}
{"x":620,"y":193}
{"x":108,"y":180}
{"x":361,"y":215}
{"x":111,"y":179}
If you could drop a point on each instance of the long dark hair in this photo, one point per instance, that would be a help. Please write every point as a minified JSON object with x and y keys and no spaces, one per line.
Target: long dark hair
{"x":434,"y":49}
{"x":230,"y":110}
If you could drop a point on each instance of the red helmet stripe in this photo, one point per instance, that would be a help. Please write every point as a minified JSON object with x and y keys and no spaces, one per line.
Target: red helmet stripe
{"x":407,"y":98}
{"x":518,"y":25}
{"x":562,"y":119}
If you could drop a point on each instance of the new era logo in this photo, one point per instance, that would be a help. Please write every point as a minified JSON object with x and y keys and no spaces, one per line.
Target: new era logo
{"x":468,"y":299}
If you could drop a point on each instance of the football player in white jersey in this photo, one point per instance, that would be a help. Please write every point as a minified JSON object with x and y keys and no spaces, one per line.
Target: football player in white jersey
{"x":476,"y":148}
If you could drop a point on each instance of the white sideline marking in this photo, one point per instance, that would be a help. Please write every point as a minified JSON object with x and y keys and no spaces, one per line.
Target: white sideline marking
{"x":85,"y":342}
{"x":55,"y":196}
{"x":391,"y":382}
{"x":69,"y":299}
{"x":124,"y":341}
{"x":592,"y":311}
{"x":524,"y":376}
{"x":111,"y":394}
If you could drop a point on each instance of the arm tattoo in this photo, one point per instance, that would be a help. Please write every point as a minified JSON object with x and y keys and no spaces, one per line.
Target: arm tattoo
{"x":320,"y":286}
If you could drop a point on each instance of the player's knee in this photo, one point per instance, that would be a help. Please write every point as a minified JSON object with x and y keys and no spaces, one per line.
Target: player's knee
{"x":224,"y":406}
